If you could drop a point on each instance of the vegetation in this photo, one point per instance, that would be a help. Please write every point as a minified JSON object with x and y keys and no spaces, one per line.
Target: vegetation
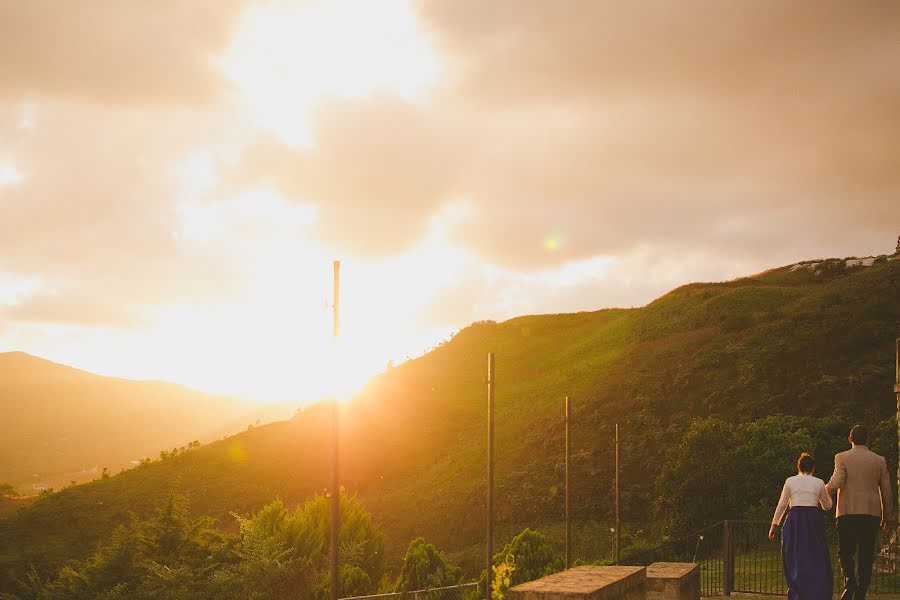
{"x":424,"y":567}
{"x":533,"y":557}
{"x":276,"y":553}
{"x":527,"y":556}
{"x":502,"y":578}
{"x":812,"y":345}
{"x":743,"y":463}
{"x":167,"y":454}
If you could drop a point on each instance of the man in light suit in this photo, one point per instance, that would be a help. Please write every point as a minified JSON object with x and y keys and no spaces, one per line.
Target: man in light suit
{"x":863,"y":502}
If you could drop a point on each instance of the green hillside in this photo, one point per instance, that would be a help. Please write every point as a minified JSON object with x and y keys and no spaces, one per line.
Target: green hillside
{"x":807,"y":342}
{"x":62,"y":424}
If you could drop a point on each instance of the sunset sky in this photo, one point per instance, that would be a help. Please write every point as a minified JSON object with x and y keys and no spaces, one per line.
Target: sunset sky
{"x":176,"y":177}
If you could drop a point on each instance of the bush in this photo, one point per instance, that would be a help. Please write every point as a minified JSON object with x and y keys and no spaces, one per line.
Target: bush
{"x":721,"y":470}
{"x":424,"y":567}
{"x":528,"y":556}
{"x":8,"y":489}
{"x":276,"y":554}
{"x":503,"y":576}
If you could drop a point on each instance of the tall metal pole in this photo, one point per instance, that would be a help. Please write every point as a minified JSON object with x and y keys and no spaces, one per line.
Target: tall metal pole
{"x":335,"y":439}
{"x":897,"y":393}
{"x":337,"y":299}
{"x":568,"y":513}
{"x":490,"y":476}
{"x":618,"y":521}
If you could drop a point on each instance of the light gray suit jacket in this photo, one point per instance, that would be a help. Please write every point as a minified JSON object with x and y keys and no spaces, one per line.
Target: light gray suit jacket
{"x":862,"y":484}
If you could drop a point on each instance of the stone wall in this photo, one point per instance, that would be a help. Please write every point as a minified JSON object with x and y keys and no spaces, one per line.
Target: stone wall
{"x":673,"y":581}
{"x":659,"y":581}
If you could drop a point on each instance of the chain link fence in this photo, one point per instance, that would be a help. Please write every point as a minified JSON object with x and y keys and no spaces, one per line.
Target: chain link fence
{"x":737,"y":556}
{"x":451,"y":592}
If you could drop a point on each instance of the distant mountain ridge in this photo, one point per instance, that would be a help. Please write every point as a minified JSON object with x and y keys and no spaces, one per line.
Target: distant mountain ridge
{"x":62,"y":424}
{"x":804,"y":342}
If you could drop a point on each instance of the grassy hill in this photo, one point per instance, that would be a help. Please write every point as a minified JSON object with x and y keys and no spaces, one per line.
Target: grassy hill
{"x":807,"y":342}
{"x":62,"y":424}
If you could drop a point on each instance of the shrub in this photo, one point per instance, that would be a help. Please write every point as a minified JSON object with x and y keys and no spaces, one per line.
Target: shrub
{"x":424,"y":567}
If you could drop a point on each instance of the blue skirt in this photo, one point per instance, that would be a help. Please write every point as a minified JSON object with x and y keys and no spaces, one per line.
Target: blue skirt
{"x":804,"y":553}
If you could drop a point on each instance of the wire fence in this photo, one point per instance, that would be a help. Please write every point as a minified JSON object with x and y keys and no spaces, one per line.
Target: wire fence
{"x":452,"y":592}
{"x":737,"y":556}
{"x":734,"y":557}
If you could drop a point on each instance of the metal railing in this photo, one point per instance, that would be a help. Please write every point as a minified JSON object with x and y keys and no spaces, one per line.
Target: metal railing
{"x":451,"y":592}
{"x":704,"y":547}
{"x":737,"y":556}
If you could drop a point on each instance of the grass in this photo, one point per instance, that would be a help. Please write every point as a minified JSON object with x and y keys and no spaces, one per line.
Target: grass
{"x":759,"y":572}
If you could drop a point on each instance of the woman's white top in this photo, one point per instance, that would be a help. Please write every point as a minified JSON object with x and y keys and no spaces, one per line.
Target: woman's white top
{"x":801,"y":490}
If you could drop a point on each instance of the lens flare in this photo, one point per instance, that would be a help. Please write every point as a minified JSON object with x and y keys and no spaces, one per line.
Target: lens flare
{"x":553,"y":241}
{"x":237,"y":453}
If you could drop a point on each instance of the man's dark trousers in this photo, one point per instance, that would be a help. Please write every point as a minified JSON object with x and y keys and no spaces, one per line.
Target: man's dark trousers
{"x":857,"y":534}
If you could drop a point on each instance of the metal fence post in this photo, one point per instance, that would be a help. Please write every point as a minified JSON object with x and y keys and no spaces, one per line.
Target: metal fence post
{"x":897,"y":393}
{"x":489,"y":550}
{"x":727,"y":558}
{"x":334,"y":539}
{"x":618,"y":496}
{"x":568,"y":513}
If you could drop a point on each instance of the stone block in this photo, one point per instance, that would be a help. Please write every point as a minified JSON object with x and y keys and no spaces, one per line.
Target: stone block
{"x":673,"y":581}
{"x":586,"y":583}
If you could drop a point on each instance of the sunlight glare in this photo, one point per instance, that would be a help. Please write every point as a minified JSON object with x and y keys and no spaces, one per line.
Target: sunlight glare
{"x":286,"y":57}
{"x":13,"y":289}
{"x":28,"y":119}
{"x":195,"y":174}
{"x":9,"y":175}
{"x":270,"y":339}
{"x":258,"y":212}
{"x":572,"y":273}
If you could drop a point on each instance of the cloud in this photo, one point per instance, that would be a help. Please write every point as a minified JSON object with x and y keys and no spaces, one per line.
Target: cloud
{"x":628,"y":280}
{"x":80,"y":306}
{"x":512,"y":52}
{"x":114,"y":51}
{"x":638,"y":145}
{"x":762,"y":128}
{"x":94,"y":215}
{"x":378,"y":172}
{"x":673,"y":122}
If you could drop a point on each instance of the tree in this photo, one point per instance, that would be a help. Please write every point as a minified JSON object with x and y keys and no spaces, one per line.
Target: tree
{"x":169,"y":556}
{"x":720,"y":470}
{"x":283,"y":551}
{"x":534,"y":557}
{"x":267,"y":566}
{"x":8,"y":489}
{"x":353,"y":582}
{"x":424,"y":567}
{"x":692,"y":487}
{"x":502,"y":579}
{"x":528,"y":556}
{"x":277,"y":554}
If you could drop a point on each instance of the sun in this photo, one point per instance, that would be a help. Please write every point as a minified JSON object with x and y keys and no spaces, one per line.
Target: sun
{"x":262,"y":351}
{"x":265,"y":333}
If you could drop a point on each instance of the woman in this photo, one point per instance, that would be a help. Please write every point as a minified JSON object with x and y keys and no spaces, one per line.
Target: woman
{"x":804,"y":551}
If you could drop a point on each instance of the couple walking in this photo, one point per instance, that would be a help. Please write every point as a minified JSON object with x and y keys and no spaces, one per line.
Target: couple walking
{"x":863,"y":503}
